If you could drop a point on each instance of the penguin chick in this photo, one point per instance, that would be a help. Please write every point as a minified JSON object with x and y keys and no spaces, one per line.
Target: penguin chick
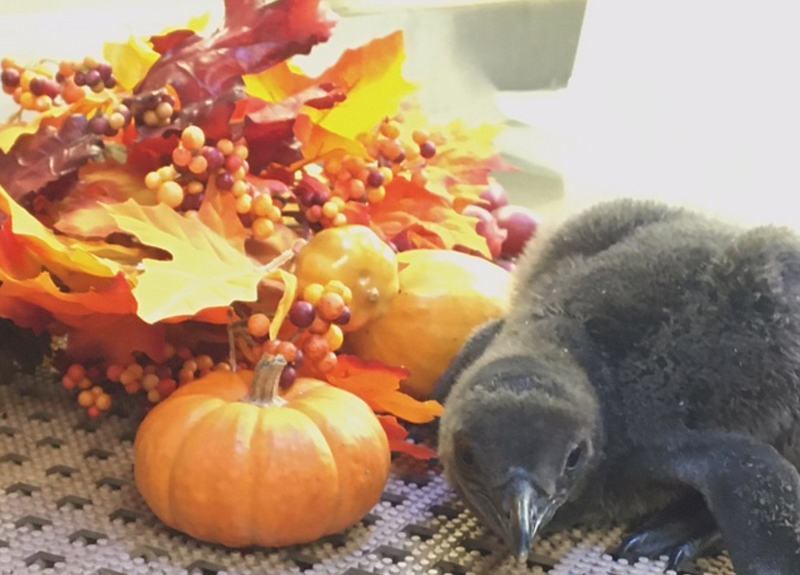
{"x":648,"y":371}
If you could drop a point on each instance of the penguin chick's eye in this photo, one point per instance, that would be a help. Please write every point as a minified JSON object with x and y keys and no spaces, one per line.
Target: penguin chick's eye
{"x":574,"y":458}
{"x":465,"y":453}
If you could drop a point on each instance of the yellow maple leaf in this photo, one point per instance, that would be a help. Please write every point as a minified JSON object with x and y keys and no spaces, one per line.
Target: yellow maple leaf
{"x":370,"y":77}
{"x":205,"y":270}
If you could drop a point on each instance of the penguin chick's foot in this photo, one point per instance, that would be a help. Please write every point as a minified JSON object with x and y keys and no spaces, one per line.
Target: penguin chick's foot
{"x":682,"y":532}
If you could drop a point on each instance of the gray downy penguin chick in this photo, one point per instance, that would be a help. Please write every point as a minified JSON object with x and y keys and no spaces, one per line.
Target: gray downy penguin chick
{"x":648,"y":373}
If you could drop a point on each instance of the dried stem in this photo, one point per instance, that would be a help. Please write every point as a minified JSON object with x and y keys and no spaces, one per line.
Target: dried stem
{"x":266,"y":380}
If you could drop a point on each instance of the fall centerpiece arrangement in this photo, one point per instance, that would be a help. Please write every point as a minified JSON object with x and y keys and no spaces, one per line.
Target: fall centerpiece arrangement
{"x":279,"y":265}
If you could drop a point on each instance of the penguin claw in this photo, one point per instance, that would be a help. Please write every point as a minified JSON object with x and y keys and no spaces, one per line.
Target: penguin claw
{"x":682,"y":533}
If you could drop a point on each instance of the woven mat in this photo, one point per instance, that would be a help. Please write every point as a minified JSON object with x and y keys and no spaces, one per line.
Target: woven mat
{"x":68,"y":505}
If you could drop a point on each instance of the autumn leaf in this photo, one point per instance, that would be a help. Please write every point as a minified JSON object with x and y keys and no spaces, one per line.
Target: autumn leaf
{"x":398,"y":435}
{"x":205,"y":270}
{"x":412,"y":211}
{"x":100,"y":322}
{"x":45,"y":156}
{"x":370,"y":78}
{"x":287,"y":299}
{"x":66,"y":261}
{"x":218,"y":213}
{"x":379,"y":386}
{"x":255,"y":36}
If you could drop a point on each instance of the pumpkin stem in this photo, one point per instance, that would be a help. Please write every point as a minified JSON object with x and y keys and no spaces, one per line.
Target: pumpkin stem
{"x":266,"y":380}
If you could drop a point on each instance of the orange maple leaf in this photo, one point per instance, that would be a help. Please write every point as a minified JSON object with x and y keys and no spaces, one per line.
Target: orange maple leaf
{"x":72,"y":265}
{"x":398,"y":436}
{"x":379,"y":386}
{"x":426,"y":219}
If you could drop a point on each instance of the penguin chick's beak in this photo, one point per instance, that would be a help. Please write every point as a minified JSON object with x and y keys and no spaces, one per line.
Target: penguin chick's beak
{"x":527,"y":511}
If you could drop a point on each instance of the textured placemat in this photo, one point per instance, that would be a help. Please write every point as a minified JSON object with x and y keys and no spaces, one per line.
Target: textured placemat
{"x":68,"y":505}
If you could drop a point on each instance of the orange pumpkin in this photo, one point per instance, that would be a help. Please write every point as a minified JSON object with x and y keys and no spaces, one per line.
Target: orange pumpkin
{"x":357,"y":257}
{"x":444,"y":296}
{"x":228,"y":460}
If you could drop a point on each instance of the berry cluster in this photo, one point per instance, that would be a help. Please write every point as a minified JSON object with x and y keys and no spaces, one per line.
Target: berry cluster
{"x":39,"y":89}
{"x":154,"y":109}
{"x":92,"y":396}
{"x":138,"y":374}
{"x":196,"y":164}
{"x":352,"y":178}
{"x":317,"y":317}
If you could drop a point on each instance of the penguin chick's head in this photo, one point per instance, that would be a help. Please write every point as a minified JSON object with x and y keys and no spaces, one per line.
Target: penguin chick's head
{"x":517,"y":436}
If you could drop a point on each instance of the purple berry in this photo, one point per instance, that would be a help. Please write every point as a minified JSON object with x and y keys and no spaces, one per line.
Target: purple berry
{"x":288,"y":377}
{"x":302,"y":314}
{"x":110,"y":82}
{"x":427,"y":150}
{"x":98,"y":125}
{"x":214,"y":157}
{"x":104,"y":69}
{"x":375,"y":179}
{"x":37,"y":87}
{"x":92,"y":77}
{"x":75,"y":124}
{"x":79,"y":79}
{"x":10,"y":77}
{"x":344,"y":317}
{"x":299,"y":359}
{"x":225,"y":181}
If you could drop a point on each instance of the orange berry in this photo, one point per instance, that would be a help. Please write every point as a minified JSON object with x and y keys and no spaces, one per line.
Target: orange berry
{"x":354,"y":165}
{"x":85,"y":383}
{"x":335,"y":337}
{"x":319,"y":325}
{"x":103,"y":402}
{"x":243,"y":204}
{"x":390,"y":130}
{"x":262,"y":228}
{"x":185,"y":375}
{"x":225,"y":146}
{"x":86,"y":398}
{"x":133,"y":388}
{"x":261,"y":204}
{"x":27,"y":100}
{"x":287,"y":349}
{"x":419,"y":137}
{"x":71,"y":92}
{"x":170,"y":193}
{"x":419,"y":178}
{"x":166,"y":387}
{"x":204,"y":362}
{"x":190,"y":365}
{"x":339,"y":220}
{"x":93,"y":412}
{"x":313,"y":292}
{"x":181,"y":156}
{"x":330,"y":209}
{"x":195,"y":187}
{"x":356,"y":189}
{"x":193,"y":138}
{"x":241,"y":151}
{"x":198,"y":165}
{"x":240,"y":188}
{"x":328,"y":362}
{"x":43,"y":103}
{"x":152,"y":181}
{"x":76,"y":372}
{"x":391,"y":149}
{"x":153,"y":396}
{"x":332,"y":167}
{"x":338,"y":287}
{"x":66,"y":69}
{"x":375,"y":195}
{"x":274,"y":214}
{"x":149,"y":381}
{"x":68,"y":382}
{"x":330,"y":306}
{"x":25,"y":80}
{"x":316,"y":347}
{"x":258,"y":325}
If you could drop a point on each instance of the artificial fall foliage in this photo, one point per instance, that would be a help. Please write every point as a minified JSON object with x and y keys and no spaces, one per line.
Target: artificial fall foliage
{"x":142,"y":244}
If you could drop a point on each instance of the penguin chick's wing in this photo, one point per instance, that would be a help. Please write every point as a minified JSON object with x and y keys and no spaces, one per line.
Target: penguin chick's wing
{"x":752,"y":491}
